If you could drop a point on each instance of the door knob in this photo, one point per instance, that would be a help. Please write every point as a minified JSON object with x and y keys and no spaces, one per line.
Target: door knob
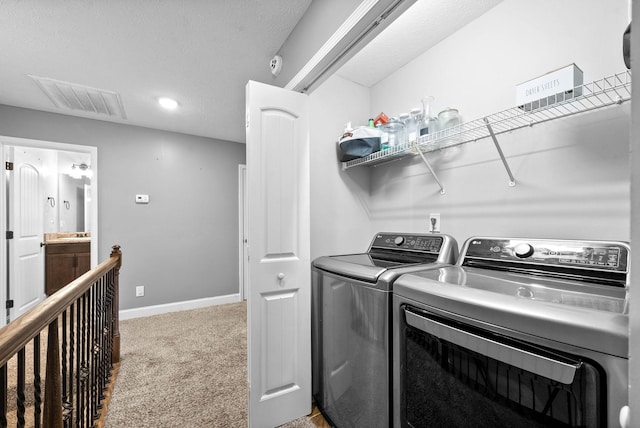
{"x":625,"y":419}
{"x":281,"y":276}
{"x":42,"y":244}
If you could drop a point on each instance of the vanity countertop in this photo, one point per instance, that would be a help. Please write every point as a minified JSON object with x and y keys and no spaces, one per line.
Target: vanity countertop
{"x":67,"y":237}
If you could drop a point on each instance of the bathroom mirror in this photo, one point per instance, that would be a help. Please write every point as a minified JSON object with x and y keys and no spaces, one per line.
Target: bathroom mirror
{"x":72,"y":197}
{"x":67,"y":186}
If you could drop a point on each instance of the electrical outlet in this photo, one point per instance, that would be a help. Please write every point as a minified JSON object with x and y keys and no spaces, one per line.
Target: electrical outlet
{"x":434,"y":222}
{"x":140,"y":291}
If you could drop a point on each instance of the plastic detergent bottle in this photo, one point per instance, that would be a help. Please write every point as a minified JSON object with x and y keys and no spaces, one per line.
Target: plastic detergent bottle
{"x":348,"y":131}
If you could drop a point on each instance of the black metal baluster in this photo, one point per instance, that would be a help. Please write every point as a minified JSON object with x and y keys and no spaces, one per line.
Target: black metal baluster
{"x":89,"y":393}
{"x":65,"y":375}
{"x":98,"y":347}
{"x":109,"y":322}
{"x":3,"y":396}
{"x":78,"y":395}
{"x":82,"y":370}
{"x":94,"y":355}
{"x":37,"y":381}
{"x":111,"y":318}
{"x":72,"y":347}
{"x":108,"y":286}
{"x":102,"y":337}
{"x":20,"y":388}
{"x":95,"y":373}
{"x":87,"y":362}
{"x":92,"y":349}
{"x":98,"y":350}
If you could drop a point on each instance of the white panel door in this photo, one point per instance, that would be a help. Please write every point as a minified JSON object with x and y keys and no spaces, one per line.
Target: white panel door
{"x":26,"y":212}
{"x":279,"y":304}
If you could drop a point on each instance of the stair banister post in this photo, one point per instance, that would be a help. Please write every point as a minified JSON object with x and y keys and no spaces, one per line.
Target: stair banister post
{"x":115,"y":252}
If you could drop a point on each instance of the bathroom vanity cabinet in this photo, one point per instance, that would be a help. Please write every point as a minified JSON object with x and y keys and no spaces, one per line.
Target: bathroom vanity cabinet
{"x":65,"y":262}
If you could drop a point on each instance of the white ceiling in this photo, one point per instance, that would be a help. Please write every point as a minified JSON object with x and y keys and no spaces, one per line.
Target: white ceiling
{"x":200,"y":52}
{"x":422,"y":26}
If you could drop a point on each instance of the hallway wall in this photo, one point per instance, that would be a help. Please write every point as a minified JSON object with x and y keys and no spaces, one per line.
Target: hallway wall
{"x":183,"y":245}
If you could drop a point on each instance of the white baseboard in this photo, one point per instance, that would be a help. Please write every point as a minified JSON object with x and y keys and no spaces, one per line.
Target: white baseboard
{"x":147,"y":311}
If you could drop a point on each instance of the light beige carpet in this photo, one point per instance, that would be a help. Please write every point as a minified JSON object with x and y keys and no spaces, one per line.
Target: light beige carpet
{"x":185,"y":369}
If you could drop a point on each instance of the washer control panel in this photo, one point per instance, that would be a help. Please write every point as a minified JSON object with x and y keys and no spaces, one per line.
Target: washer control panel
{"x":426,"y":243}
{"x":602,"y":255}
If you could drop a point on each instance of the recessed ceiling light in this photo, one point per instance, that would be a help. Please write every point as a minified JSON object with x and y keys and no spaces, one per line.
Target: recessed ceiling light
{"x":168,"y":103}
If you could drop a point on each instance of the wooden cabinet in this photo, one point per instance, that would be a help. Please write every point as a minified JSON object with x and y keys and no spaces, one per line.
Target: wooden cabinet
{"x":64,"y":262}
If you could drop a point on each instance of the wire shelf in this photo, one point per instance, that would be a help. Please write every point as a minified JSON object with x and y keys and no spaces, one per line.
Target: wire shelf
{"x":607,"y":91}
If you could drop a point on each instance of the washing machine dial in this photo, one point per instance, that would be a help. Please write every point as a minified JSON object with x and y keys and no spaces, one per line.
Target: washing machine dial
{"x":399,"y":240}
{"x":523,"y":250}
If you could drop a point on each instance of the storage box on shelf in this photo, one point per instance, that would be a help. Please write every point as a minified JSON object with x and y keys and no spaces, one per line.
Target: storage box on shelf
{"x":614,"y":89}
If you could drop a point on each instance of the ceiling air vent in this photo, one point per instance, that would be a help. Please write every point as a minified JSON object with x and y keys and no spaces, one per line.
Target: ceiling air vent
{"x":72,"y":96}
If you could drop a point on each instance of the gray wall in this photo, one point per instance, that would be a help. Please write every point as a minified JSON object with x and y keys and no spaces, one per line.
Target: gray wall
{"x":572,"y":174}
{"x":340,"y":220}
{"x":183,"y":245}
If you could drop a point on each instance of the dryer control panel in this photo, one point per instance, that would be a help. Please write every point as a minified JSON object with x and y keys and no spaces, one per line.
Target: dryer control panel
{"x":597,"y":255}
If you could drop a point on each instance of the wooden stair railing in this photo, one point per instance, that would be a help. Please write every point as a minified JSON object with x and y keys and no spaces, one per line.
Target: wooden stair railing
{"x":83,"y":344}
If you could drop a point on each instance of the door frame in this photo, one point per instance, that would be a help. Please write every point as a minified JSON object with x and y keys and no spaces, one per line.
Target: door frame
{"x":92,"y":151}
{"x":243,"y":264}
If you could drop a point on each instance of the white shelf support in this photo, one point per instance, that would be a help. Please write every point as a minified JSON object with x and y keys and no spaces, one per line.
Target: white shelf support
{"x":435,"y":177}
{"x":512,"y":180}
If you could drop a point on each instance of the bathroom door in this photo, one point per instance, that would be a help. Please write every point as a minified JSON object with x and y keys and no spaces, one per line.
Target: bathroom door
{"x":279,"y":304}
{"x":25,"y":212}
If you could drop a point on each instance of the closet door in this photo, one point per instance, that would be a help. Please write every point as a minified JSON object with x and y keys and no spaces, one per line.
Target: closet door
{"x":279,"y":303}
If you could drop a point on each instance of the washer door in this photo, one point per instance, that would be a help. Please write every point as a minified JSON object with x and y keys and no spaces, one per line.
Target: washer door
{"x":351,"y":350}
{"x":360,"y":266}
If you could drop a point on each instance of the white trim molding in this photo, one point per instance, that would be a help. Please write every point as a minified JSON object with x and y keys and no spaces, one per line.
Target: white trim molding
{"x":147,"y":311}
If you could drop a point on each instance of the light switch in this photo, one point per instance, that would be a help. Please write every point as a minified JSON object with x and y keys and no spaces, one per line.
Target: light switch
{"x":142,"y":199}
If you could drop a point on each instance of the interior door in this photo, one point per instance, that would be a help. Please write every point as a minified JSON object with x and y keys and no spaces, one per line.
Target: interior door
{"x":25,"y":213}
{"x":279,"y":304}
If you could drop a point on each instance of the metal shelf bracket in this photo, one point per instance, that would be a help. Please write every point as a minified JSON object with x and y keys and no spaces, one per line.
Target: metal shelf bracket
{"x":435,"y":177}
{"x":512,"y":180}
